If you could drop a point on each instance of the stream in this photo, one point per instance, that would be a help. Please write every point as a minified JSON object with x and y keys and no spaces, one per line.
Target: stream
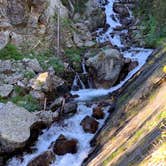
{"x":71,"y":127}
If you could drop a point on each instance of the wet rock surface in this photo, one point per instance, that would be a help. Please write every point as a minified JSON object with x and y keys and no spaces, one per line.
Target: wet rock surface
{"x":44,"y":159}
{"x":70,"y":108}
{"x":107,"y":65}
{"x":89,"y":124}
{"x":98,"y":113}
{"x":63,"y":145}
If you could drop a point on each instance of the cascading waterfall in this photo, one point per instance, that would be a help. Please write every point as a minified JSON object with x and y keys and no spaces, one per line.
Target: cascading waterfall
{"x":71,"y":127}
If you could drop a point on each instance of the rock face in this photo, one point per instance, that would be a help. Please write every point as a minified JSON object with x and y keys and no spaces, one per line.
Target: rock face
{"x":90,"y":125}
{"x":107,"y":65}
{"x":15,"y":123}
{"x":63,"y":145}
{"x":44,"y":159}
{"x":30,"y":24}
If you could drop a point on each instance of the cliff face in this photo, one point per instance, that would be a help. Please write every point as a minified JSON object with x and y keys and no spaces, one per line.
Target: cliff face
{"x":24,"y":23}
{"x":32,"y":24}
{"x":135,"y":131}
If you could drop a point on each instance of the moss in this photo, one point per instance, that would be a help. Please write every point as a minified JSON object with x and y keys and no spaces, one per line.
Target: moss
{"x":10,"y":52}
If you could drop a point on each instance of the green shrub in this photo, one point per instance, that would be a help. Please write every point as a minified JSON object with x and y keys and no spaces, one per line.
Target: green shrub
{"x":74,"y":54}
{"x":152,"y":15}
{"x":10,"y":52}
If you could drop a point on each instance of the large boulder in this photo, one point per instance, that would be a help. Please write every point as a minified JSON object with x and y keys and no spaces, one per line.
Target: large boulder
{"x":43,"y":159}
{"x":89,"y":124}
{"x":15,"y":123}
{"x":105,"y":67}
{"x":63,"y":145}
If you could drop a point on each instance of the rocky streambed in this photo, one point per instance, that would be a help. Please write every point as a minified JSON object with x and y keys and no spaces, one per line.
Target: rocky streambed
{"x":67,"y":142}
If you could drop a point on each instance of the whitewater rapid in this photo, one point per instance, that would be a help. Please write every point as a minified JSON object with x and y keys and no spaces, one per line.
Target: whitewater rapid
{"x":71,"y":127}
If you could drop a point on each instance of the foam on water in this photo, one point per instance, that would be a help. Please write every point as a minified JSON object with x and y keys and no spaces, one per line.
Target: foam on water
{"x":71,"y":127}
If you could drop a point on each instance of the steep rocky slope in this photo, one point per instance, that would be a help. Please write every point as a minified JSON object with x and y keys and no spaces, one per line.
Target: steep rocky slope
{"x":33,"y":25}
{"x":137,"y":126}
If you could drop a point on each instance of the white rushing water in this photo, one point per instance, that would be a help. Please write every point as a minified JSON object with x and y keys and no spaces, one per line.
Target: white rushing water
{"x":71,"y":127}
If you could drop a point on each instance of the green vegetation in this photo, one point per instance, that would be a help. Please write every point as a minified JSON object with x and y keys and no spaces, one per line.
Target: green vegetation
{"x":47,"y":59}
{"x":27,"y":101}
{"x":29,"y":74}
{"x":74,"y":54}
{"x":10,"y":52}
{"x":22,"y":99}
{"x":79,"y":5}
{"x":153,"y":24}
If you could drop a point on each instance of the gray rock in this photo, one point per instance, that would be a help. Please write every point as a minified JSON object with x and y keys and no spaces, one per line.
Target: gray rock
{"x":43,"y":159}
{"x":107,"y":65}
{"x":5,"y":66}
{"x":33,"y":64}
{"x":57,"y":103}
{"x":4,"y":39}
{"x":46,"y":82}
{"x":5,"y":90}
{"x":15,"y":123}
{"x":47,"y":117}
{"x":1,"y":105}
{"x":38,"y":95}
{"x":70,"y":108}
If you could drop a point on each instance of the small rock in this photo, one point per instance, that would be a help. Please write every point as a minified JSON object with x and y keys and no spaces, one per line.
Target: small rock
{"x":43,"y":159}
{"x":121,"y":10}
{"x":1,"y":105}
{"x":47,"y":117}
{"x":4,"y":39}
{"x":132,"y":65}
{"x":70,"y":108}
{"x":6,"y":66}
{"x":33,"y":64}
{"x":57,"y":103}
{"x":98,"y":113}
{"x":112,"y":107}
{"x":89,"y":124}
{"x":5,"y":90}
{"x":38,"y":95}
{"x":89,"y":44}
{"x":63,"y":145}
